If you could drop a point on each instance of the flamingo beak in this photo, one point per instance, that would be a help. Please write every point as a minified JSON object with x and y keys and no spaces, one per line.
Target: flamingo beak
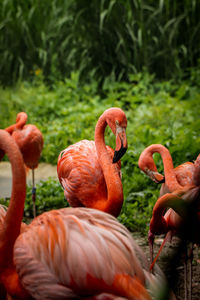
{"x":121,"y":144}
{"x":155,"y":176}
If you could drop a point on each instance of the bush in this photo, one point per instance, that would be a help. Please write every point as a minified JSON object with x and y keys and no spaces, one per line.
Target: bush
{"x":157,"y":112}
{"x":49,"y":195}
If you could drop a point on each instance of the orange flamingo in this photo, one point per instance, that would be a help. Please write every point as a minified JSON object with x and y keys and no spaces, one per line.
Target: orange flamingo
{"x":182,"y":218}
{"x":30,"y":142}
{"x":88,"y":171}
{"x":183,"y":173}
{"x":176,"y":177}
{"x":179,"y":181}
{"x":66,"y":253}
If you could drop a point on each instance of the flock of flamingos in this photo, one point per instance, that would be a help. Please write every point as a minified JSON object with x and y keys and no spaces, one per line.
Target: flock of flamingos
{"x":83,"y":252}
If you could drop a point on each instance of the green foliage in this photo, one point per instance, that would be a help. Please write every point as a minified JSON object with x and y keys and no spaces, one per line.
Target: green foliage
{"x":105,"y":40}
{"x":49,"y":195}
{"x":157,"y":112}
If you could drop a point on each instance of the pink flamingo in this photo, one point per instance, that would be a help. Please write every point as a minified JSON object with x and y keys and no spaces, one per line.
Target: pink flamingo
{"x":183,"y":218}
{"x":177,"y":177}
{"x":67,"y":253}
{"x":183,"y":173}
{"x":88,"y":171}
{"x":30,"y":142}
{"x":181,"y":181}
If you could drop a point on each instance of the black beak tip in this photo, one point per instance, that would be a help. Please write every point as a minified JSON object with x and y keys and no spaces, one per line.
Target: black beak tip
{"x":118,"y":154}
{"x":162,"y":181}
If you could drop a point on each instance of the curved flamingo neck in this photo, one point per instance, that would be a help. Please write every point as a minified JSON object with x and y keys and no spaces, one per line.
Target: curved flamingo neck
{"x":158,"y":223}
{"x":20,"y":122}
{"x":15,"y":210}
{"x":170,"y":176}
{"x":114,"y":201}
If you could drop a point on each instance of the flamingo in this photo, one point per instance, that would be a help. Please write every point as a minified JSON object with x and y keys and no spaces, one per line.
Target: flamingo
{"x":177,"y":177}
{"x":180,"y":181}
{"x":67,"y":253}
{"x":182,"y":218}
{"x":183,"y":173}
{"x":30,"y":142}
{"x":88,"y":170}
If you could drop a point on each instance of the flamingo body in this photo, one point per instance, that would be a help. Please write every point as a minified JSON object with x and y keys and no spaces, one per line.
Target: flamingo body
{"x":30,"y":142}
{"x":183,"y":174}
{"x":61,"y":252}
{"x":67,"y":253}
{"x":28,"y":138}
{"x":89,"y":171}
{"x":81,"y":175}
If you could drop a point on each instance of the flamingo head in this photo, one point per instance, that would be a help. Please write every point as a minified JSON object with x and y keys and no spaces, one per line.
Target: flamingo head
{"x":121,"y":142}
{"x":147,"y":165}
{"x":117,"y":121}
{"x":21,"y":120}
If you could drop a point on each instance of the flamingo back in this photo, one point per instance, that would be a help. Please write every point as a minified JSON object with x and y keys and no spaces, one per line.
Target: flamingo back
{"x":184,"y":176}
{"x":81,"y":175}
{"x":62,"y":249}
{"x":184,"y":173}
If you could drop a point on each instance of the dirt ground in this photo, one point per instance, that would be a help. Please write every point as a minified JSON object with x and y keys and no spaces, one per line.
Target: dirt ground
{"x":171,"y":262}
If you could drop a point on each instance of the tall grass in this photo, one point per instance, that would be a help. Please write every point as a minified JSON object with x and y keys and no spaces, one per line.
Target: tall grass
{"x":103,"y":39}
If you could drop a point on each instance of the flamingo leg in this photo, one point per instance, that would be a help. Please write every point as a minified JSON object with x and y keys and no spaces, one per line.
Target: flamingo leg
{"x":190,"y":256}
{"x":151,"y":238}
{"x":188,"y":271}
{"x":167,"y":238}
{"x":33,"y":193}
{"x":185,"y":276}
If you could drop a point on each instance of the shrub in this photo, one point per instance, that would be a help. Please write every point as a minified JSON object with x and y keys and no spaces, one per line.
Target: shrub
{"x":157,"y":112}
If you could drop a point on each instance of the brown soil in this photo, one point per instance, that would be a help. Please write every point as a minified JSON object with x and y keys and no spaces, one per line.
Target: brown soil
{"x":171,"y":261}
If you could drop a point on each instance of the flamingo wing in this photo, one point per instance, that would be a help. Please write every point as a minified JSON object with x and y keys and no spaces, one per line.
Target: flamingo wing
{"x":184,"y":173}
{"x":63,"y":251}
{"x":184,"y":176}
{"x":81,"y":175}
